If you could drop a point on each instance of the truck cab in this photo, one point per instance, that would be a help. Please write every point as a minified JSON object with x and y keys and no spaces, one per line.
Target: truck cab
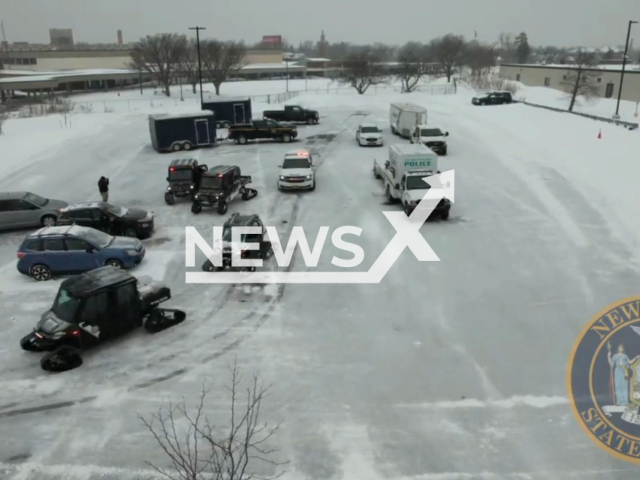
{"x":297,"y":172}
{"x":432,"y":137}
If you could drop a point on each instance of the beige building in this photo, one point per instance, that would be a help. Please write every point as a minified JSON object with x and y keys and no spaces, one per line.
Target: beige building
{"x":607,"y":78}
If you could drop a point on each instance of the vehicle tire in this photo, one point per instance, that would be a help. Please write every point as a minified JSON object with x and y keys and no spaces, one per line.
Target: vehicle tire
{"x":406,"y":210}
{"x":286,"y":138}
{"x":242,"y":140}
{"x":161,"y":319}
{"x":130,"y":232}
{"x":187,"y":146}
{"x":390,"y":198}
{"x":316,"y":120}
{"x":445,"y":215}
{"x":40,"y":273}
{"x":48,"y":220}
{"x":176,"y":147}
{"x":112,"y":262}
{"x":309,"y":121}
{"x":222,"y":207}
{"x":169,"y":199}
{"x":249,"y":193}
{"x":196,"y":208}
{"x":313,"y":187}
{"x":61,"y":359}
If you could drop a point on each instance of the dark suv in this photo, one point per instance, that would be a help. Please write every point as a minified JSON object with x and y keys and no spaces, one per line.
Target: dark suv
{"x":493,"y":98}
{"x":264,"y":252}
{"x":111,"y":219}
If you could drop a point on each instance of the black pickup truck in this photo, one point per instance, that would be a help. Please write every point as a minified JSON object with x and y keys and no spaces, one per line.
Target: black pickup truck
{"x":293,"y":114}
{"x":259,"y":129}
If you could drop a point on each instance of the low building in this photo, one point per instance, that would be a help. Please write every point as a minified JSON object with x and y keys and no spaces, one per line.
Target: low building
{"x":607,"y":78}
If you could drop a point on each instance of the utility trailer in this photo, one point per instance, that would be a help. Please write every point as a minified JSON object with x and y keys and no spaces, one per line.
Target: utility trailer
{"x":229,"y":110}
{"x":182,"y":131}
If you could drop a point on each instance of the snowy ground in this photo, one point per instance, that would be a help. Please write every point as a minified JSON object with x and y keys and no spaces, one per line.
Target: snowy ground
{"x":603,"y":107}
{"x":449,"y":370}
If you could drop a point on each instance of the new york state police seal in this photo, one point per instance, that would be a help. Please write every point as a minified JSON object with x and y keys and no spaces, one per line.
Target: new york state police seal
{"x":603,"y":379}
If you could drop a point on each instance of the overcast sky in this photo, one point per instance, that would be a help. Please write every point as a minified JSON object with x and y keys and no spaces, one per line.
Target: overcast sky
{"x":547,"y":22}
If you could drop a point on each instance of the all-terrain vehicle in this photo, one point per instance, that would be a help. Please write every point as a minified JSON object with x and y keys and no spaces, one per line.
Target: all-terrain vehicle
{"x":219,"y":186}
{"x":264,"y":252}
{"x":95,"y":307}
{"x":184,"y":179}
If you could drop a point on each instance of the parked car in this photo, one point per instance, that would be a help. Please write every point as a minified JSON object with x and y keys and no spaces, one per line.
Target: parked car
{"x":111,"y":219}
{"x":293,"y":113}
{"x":25,"y":209}
{"x":369,"y":134}
{"x":259,"y":129}
{"x":431,"y":136}
{"x":493,"y":98}
{"x":73,"y":249}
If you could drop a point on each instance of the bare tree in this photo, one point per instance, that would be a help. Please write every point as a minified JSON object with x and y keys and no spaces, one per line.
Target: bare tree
{"x":189,"y":64}
{"x":413,"y":58}
{"x":480,"y":58}
{"x":449,"y":51}
{"x":161,"y":56}
{"x":507,"y":47}
{"x":579,"y":82}
{"x":362,"y":70}
{"x":203,"y":450}
{"x":221,"y":59}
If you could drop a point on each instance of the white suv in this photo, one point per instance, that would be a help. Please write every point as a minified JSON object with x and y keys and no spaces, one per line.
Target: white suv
{"x":369,"y":134}
{"x":297,"y":171}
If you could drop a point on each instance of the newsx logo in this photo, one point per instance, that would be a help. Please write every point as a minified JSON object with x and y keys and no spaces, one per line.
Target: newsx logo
{"x":407,"y":235}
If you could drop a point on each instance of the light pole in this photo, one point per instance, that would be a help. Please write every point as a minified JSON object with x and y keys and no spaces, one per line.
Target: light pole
{"x":286,"y":62}
{"x":624,"y":64}
{"x":197,"y":29}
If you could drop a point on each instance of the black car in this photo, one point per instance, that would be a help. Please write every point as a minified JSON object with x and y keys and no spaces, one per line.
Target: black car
{"x":262,"y":129}
{"x":184,"y":179}
{"x":111,"y":219}
{"x":219,"y":186}
{"x":95,"y":307}
{"x":493,"y":98}
{"x":264,"y":252}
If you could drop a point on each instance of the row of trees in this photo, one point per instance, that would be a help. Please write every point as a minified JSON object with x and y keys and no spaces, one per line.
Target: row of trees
{"x":170,"y":56}
{"x":365,"y":67}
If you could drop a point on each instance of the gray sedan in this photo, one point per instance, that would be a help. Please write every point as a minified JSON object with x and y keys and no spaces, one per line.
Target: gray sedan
{"x":24,"y":209}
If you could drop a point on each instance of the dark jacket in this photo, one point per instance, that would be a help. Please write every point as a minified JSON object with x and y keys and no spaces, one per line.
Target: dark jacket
{"x":103,"y":184}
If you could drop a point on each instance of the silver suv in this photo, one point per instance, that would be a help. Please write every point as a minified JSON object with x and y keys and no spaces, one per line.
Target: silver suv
{"x":25,"y":209}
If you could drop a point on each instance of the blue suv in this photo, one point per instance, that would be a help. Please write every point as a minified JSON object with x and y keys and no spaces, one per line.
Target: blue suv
{"x":73,"y":249}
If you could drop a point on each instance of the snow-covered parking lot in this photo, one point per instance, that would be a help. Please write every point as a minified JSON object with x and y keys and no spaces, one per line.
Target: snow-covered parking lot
{"x":444,"y":370}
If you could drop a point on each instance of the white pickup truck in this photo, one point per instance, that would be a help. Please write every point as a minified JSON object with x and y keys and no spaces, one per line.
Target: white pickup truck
{"x":402,"y":175}
{"x":431,"y":136}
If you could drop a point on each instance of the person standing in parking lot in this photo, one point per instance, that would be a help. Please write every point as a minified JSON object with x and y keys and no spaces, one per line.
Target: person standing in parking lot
{"x":103,"y":186}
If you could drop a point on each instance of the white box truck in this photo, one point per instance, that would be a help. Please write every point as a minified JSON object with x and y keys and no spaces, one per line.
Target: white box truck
{"x":402,"y":175}
{"x":404,"y":117}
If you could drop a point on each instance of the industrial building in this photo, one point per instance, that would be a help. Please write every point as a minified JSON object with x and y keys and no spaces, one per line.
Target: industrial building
{"x":607,"y":78}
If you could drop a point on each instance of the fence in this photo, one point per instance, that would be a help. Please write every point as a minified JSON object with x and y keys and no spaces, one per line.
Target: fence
{"x":147,"y":105}
{"x":628,"y":125}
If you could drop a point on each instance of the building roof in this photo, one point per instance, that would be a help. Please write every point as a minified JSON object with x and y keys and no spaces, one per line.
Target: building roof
{"x":318,"y":59}
{"x":171,"y":116}
{"x":630,"y":68}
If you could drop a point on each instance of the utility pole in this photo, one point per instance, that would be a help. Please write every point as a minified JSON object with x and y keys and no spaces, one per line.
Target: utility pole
{"x":197,"y":29}
{"x":624,"y":64}
{"x":286,"y":62}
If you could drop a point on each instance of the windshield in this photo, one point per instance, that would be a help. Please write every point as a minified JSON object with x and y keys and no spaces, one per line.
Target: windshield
{"x":214,"y":183}
{"x":36,"y":199}
{"x":416,"y":183}
{"x":370,"y":130}
{"x":182,"y":174}
{"x":96,"y":237}
{"x":65,"y":306}
{"x":226,"y":235}
{"x":117,"y":211}
{"x":430,"y":132}
{"x":296,"y":163}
